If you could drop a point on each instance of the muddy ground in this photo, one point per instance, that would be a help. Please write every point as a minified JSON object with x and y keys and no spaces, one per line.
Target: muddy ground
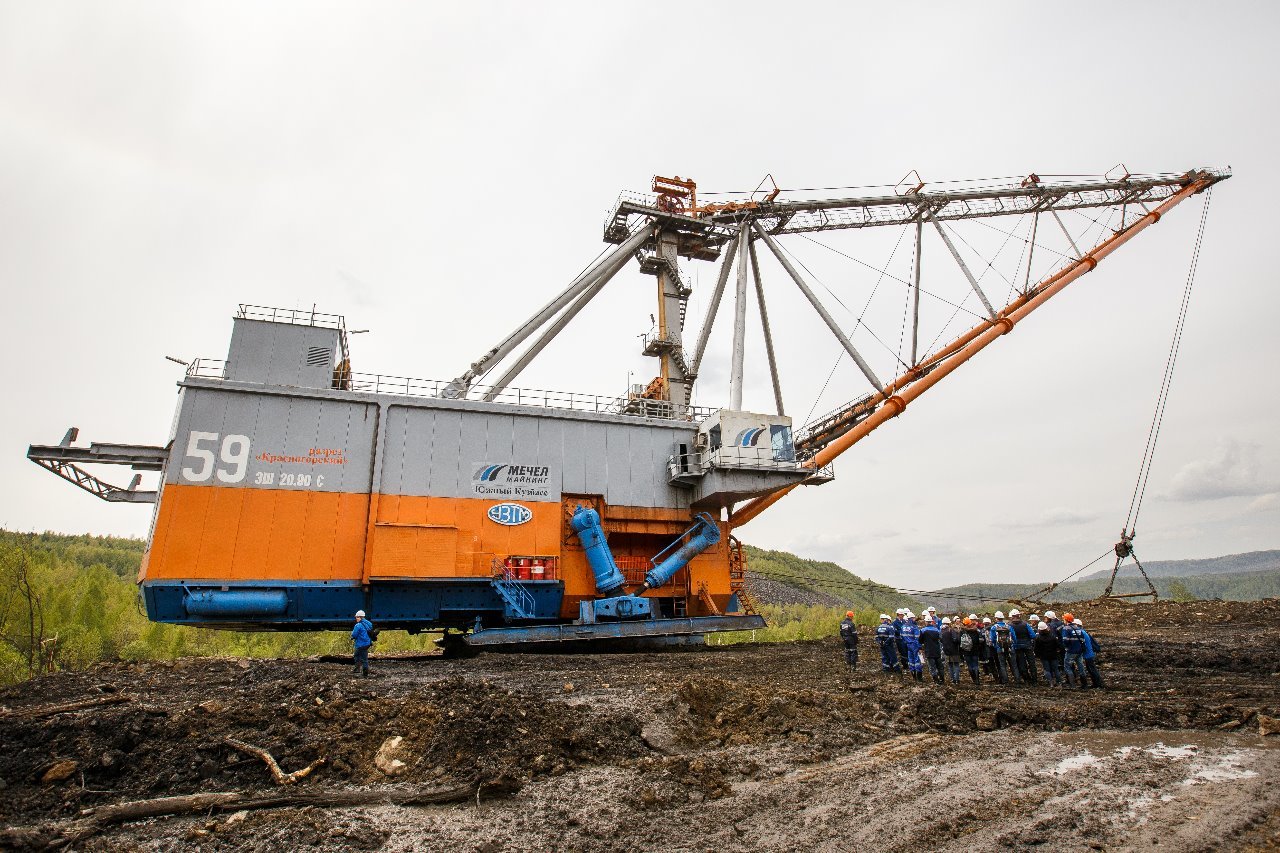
{"x":773,"y":747}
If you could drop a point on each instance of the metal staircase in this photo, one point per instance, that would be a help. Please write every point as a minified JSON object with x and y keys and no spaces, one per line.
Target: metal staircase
{"x":738,"y":576}
{"x":519,"y":603}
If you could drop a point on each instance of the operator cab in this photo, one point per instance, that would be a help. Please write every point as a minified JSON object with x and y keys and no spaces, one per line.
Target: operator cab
{"x":737,"y":455}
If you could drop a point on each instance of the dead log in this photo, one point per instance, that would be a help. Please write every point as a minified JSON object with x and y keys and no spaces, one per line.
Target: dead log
{"x":51,"y":836}
{"x":279,"y":775}
{"x":40,"y":711}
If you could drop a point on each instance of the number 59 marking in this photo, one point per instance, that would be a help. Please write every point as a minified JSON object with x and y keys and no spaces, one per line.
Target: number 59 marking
{"x":234,"y":453}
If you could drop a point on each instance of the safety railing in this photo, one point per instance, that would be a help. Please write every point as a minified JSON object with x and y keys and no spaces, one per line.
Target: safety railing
{"x":635,"y":568}
{"x":294,"y":316}
{"x":751,"y":458}
{"x":378,"y":383}
{"x":624,"y":197}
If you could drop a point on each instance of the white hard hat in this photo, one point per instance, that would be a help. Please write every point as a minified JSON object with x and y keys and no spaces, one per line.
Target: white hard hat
{"x":884,"y":615}
{"x":946,"y":620}
{"x":986,"y":620}
{"x":931,"y":609}
{"x":999,"y":614}
{"x":1049,"y":614}
{"x":1015,"y":612}
{"x":1043,"y":626}
{"x":973,"y":616}
{"x":359,"y":614}
{"x":900,"y":611}
{"x":909,"y":614}
{"x":1079,"y":624}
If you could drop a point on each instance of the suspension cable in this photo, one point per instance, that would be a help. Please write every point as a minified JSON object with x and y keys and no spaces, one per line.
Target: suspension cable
{"x":1157,"y":419}
{"x":858,"y":322}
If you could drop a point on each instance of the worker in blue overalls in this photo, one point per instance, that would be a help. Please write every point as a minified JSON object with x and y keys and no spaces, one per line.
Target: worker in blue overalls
{"x":1091,"y":649}
{"x":901,"y":644}
{"x":911,"y":639}
{"x":360,"y":636}
{"x":1074,"y":647}
{"x":887,"y":638}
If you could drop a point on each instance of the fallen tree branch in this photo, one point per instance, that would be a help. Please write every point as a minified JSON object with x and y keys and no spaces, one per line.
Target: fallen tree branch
{"x":279,"y":775}
{"x":62,"y":707}
{"x":93,"y":821}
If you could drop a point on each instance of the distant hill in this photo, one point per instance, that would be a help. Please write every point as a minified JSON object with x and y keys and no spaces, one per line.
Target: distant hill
{"x":780,"y":578}
{"x":1230,"y":586}
{"x":1253,"y":561}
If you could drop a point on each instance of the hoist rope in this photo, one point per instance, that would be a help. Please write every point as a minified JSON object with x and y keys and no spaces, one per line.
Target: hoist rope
{"x":1157,"y":419}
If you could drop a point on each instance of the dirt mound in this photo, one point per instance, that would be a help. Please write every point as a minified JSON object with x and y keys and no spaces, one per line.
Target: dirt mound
{"x":452,"y":729}
{"x":1123,"y":614}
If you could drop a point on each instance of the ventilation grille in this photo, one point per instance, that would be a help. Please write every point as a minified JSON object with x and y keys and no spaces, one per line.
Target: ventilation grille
{"x":317,"y":356}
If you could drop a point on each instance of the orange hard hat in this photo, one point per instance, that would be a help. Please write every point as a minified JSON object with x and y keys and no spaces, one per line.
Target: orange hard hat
{"x":849,"y":613}
{"x":967,"y":622}
{"x":1067,"y":617}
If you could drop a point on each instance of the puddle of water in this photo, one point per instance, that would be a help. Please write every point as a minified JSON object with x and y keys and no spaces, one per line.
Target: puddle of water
{"x":1202,"y":757}
{"x":1177,"y":753}
{"x":1107,"y":741}
{"x":1226,"y":767}
{"x":1073,"y":763}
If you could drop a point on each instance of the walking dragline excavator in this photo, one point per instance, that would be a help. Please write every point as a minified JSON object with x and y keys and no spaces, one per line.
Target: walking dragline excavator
{"x":294,"y":491}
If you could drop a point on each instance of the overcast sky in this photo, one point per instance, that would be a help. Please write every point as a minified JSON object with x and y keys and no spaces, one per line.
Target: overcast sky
{"x":436,"y":172}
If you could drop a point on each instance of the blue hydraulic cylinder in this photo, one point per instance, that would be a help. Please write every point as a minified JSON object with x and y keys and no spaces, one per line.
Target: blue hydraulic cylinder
{"x":586,"y":523}
{"x":702,"y":535}
{"x":230,"y":603}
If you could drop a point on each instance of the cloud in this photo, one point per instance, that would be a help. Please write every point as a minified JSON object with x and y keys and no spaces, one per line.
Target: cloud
{"x":1264,"y":503}
{"x":1232,"y":471}
{"x":1055,"y":517}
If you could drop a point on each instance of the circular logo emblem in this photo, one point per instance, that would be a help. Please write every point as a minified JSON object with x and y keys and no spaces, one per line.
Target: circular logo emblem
{"x":510,"y":514}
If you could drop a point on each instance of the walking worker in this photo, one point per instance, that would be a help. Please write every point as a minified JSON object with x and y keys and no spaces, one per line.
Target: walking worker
{"x":951,"y":648}
{"x":931,"y":645}
{"x":1047,"y":648}
{"x":971,"y":646}
{"x":1073,"y":651}
{"x":887,"y":639}
{"x":1091,"y":650}
{"x":360,"y":634}
{"x":849,"y":636}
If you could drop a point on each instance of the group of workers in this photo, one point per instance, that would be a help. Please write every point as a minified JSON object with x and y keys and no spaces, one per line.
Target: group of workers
{"x":1006,"y":649}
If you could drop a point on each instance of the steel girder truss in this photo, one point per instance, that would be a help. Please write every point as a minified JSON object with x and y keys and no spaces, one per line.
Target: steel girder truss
{"x":704,"y":234}
{"x":65,"y":460}
{"x":1141,"y":192}
{"x":821,"y":442}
